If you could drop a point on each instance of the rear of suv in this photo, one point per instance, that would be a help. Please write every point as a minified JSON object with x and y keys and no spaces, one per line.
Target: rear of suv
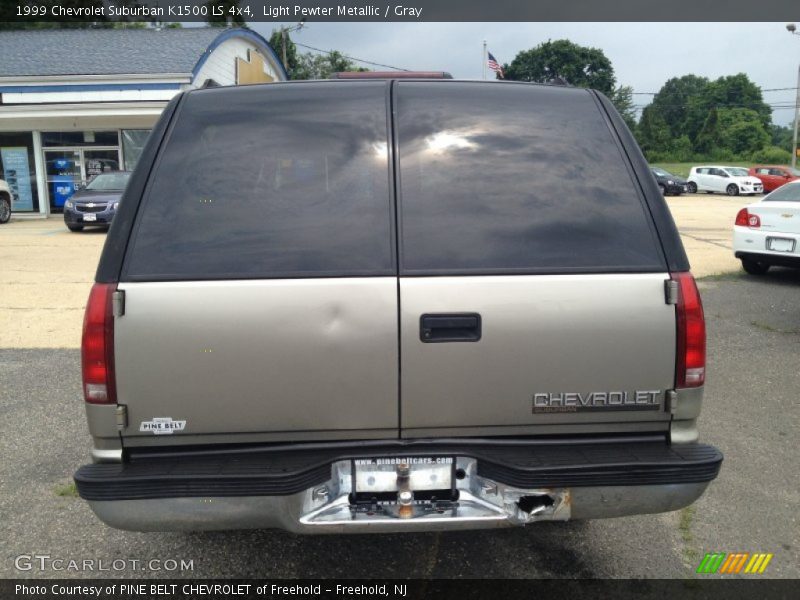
{"x":392,"y":305}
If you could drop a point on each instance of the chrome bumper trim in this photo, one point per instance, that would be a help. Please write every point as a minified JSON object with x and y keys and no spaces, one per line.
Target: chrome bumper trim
{"x":326,"y":508}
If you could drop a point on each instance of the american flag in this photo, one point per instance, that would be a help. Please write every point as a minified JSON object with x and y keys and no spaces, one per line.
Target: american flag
{"x":494,"y":65}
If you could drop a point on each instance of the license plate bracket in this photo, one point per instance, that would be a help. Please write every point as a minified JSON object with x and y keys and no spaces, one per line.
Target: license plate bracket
{"x":777,"y":244}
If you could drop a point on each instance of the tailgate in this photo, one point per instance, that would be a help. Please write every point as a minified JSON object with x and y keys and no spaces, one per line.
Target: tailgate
{"x":258,"y":357}
{"x":555,"y":354}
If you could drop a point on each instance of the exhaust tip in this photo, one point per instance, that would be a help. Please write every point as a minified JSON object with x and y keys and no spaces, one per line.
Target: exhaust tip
{"x":534,"y":504}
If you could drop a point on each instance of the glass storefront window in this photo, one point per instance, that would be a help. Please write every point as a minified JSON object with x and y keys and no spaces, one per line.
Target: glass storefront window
{"x":80,"y":138}
{"x":63,"y":175}
{"x":133,"y":141}
{"x":17,"y":168}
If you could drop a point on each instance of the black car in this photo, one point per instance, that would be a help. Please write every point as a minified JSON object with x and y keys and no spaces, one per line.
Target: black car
{"x":96,"y":204}
{"x":669,"y":183}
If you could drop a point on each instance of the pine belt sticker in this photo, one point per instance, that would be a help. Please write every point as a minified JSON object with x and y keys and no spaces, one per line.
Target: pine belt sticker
{"x":162,"y":425}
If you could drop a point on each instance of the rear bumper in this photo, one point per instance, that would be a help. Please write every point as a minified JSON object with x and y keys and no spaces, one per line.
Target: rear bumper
{"x":753,"y":244}
{"x":308,"y":489}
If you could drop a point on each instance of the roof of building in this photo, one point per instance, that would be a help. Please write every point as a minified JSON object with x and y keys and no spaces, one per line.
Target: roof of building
{"x":106,"y":51}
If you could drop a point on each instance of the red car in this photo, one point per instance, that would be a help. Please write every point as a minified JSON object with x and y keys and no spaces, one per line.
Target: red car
{"x":773,"y":176}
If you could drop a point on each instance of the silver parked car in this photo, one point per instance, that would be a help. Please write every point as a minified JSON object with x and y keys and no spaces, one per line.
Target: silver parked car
{"x":391,"y":305}
{"x":5,"y":202}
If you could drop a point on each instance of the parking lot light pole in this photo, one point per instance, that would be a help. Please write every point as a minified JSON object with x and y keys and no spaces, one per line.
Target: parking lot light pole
{"x":791,"y":28}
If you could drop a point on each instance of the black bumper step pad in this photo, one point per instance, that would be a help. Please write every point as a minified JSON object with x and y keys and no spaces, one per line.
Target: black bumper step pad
{"x":601,"y":465}
{"x":288,"y":469}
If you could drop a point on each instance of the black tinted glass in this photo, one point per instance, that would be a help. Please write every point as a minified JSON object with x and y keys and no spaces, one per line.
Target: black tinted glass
{"x":270,"y":181}
{"x":786,"y":193}
{"x":515,"y":178}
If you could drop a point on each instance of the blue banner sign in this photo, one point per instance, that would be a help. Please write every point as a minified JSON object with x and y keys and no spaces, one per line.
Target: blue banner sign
{"x":17,"y":175}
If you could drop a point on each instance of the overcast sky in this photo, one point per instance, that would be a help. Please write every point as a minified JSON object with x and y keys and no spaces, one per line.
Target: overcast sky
{"x":644,"y":55}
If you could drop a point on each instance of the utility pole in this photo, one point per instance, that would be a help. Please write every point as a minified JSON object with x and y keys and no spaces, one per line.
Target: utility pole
{"x":484,"y":59}
{"x":796,"y":119}
{"x":791,"y":28}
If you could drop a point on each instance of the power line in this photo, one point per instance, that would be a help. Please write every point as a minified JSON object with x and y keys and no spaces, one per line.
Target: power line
{"x":361,"y":60}
{"x":784,"y":89}
{"x":773,"y":105}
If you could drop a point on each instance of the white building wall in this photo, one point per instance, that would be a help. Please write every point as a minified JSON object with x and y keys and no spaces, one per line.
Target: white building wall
{"x":221,"y":65}
{"x":92,"y":96}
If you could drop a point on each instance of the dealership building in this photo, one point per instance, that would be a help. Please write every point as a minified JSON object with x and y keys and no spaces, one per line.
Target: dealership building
{"x":77,"y":102}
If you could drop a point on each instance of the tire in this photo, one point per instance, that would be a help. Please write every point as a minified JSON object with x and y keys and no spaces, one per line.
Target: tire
{"x":692,"y":187}
{"x":732,"y":190}
{"x":74,"y":227}
{"x":663,"y":189}
{"x":753,"y":267}
{"x":5,"y":210}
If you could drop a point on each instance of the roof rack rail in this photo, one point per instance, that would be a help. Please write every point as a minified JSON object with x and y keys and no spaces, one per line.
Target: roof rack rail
{"x":391,"y":75}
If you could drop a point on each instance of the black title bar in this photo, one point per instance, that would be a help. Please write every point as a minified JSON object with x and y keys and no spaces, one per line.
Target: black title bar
{"x":210,"y":589}
{"x":401,"y":11}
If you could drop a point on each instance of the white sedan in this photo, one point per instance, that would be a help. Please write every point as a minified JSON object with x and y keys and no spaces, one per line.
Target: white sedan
{"x":727,"y":180}
{"x":767,"y":233}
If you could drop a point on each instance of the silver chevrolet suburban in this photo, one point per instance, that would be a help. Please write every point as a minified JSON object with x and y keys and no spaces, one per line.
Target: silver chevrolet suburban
{"x":391,"y":305}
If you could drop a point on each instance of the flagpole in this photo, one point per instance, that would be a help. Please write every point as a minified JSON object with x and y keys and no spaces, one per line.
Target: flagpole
{"x":484,"y":59}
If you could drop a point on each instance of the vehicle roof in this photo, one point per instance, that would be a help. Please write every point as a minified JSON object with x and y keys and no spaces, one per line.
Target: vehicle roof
{"x":770,"y":166}
{"x":232,"y":89}
{"x":351,"y":75}
{"x":718,"y":167}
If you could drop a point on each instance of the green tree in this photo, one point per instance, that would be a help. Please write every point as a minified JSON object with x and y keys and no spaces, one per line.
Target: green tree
{"x":733,"y":91}
{"x":578,"y":65}
{"x":680,"y":149}
{"x":653,"y":132}
{"x":726,"y":117}
{"x":739,"y":131}
{"x":781,"y":137}
{"x":293,"y":63}
{"x":322,"y":66}
{"x":672,"y":102}
{"x":623,"y":101}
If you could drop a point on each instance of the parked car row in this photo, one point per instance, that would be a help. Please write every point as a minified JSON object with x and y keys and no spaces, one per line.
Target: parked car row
{"x":760,"y":179}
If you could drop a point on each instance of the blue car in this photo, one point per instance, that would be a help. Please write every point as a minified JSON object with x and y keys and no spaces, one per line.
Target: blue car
{"x":96,"y":204}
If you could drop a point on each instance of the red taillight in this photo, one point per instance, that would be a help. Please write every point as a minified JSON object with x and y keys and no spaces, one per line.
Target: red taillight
{"x":691,"y":346}
{"x":97,"y":346}
{"x":745,"y":219}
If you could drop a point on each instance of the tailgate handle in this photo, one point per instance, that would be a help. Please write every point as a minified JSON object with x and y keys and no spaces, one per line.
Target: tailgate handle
{"x":455,"y":327}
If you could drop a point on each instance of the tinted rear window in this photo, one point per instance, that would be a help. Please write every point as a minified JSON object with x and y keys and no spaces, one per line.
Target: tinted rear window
{"x":515,"y":178}
{"x":786,"y":193}
{"x":270,"y":181}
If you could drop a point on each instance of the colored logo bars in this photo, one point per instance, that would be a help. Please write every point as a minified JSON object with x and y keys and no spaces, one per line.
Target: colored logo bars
{"x":720,"y":562}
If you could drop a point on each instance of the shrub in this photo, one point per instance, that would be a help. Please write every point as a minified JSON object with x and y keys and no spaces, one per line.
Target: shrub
{"x":681,"y":149}
{"x":721,"y":155}
{"x":771,"y":155}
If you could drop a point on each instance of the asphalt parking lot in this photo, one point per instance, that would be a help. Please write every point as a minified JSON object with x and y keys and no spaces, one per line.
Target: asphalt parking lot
{"x":750,"y":413}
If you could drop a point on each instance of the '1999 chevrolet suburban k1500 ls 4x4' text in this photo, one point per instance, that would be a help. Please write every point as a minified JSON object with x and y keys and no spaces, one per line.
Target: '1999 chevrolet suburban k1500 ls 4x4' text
{"x":391,"y":305}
